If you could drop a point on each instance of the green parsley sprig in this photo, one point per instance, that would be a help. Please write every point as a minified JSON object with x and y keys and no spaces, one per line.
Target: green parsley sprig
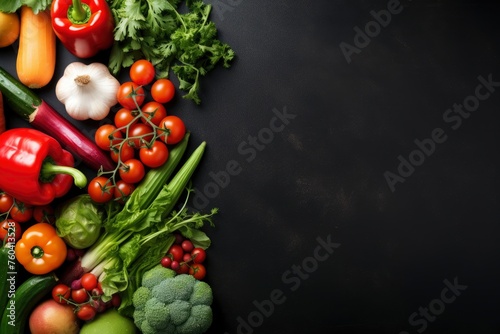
{"x":184,"y":43}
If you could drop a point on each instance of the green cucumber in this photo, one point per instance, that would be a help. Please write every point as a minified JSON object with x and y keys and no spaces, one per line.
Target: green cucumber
{"x":22,"y":99}
{"x":16,"y":314}
{"x":4,"y":284}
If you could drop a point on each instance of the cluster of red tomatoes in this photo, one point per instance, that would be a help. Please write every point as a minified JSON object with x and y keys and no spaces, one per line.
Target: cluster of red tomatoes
{"x":14,"y":213}
{"x":184,"y":258}
{"x":84,"y":295}
{"x":140,"y":134}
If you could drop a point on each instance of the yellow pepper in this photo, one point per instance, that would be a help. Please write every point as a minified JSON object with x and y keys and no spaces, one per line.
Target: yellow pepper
{"x":40,"y":249}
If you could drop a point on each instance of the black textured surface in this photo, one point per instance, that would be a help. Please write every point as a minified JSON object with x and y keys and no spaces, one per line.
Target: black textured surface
{"x":320,"y":177}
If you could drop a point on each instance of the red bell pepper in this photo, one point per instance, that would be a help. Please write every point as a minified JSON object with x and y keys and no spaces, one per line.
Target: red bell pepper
{"x":34,"y":168}
{"x":84,"y":27}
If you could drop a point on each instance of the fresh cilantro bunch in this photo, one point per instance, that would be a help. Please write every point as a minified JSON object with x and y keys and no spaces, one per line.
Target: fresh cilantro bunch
{"x":184,"y":43}
{"x":10,"y":6}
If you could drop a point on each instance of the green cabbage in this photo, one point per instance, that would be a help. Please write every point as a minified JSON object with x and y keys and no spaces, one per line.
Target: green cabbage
{"x":79,"y":221}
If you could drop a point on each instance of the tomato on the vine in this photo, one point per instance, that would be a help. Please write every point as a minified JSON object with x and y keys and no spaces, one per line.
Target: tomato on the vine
{"x":86,"y":312}
{"x":123,"y":190}
{"x":126,"y":94}
{"x":107,"y":136}
{"x":79,"y":296}
{"x":61,"y":293}
{"x":177,"y":252}
{"x":163,"y":90}
{"x":44,"y":214}
{"x":6,"y":202}
{"x":142,"y":72}
{"x":124,"y":117}
{"x":100,"y":189}
{"x":89,"y":281}
{"x":10,"y":228}
{"x":199,"y":255}
{"x":132,"y":171}
{"x":176,"y":129}
{"x":155,"y":155}
{"x":139,"y":134}
{"x":154,"y":111}
{"x":198,"y":271}
{"x":21,"y":212}
{"x":123,"y":153}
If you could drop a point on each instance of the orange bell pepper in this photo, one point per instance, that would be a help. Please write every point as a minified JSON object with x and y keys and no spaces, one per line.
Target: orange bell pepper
{"x":40,"y":249}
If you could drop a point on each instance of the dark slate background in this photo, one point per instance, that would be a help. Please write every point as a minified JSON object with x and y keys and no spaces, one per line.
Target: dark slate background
{"x":422,"y":257}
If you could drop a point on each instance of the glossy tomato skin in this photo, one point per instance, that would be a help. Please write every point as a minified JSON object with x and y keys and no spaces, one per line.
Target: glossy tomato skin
{"x":123,"y":153}
{"x":177,"y":252}
{"x":107,"y":136}
{"x":142,"y":72}
{"x":154,"y":112}
{"x":132,"y":171}
{"x":21,"y":212}
{"x":124,"y":117}
{"x":123,"y":190}
{"x":61,"y":293}
{"x":126,"y":93}
{"x":79,"y":296}
{"x":199,"y":255}
{"x":89,"y":281}
{"x":6,"y":202}
{"x":163,"y":90}
{"x":198,"y":271}
{"x":154,"y":156}
{"x":86,"y":312}
{"x":176,"y":129}
{"x":141,"y":133}
{"x":100,"y":190}
{"x":44,"y":214}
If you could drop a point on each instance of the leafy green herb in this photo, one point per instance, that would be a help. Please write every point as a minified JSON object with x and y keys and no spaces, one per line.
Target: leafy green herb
{"x":183,"y":43}
{"x":10,"y":6}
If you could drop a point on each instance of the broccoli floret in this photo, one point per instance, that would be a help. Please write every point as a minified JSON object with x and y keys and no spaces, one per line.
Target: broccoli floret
{"x":177,"y":304}
{"x":154,"y":276}
{"x":140,"y":297}
{"x":179,"y":288}
{"x":202,"y":294}
{"x":199,"y":322}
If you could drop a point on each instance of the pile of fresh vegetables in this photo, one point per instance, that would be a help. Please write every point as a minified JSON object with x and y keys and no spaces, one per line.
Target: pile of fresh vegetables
{"x":119,"y":252}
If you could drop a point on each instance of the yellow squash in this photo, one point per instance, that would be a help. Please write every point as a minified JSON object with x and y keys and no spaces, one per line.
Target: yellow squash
{"x":36,"y":59}
{"x":9,"y":28}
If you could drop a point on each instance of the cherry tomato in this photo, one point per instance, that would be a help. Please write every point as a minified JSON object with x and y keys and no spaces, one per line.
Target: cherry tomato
{"x":177,"y":252}
{"x":198,"y":271}
{"x":126,"y":94}
{"x":122,"y":152}
{"x":124,"y":117}
{"x":89,"y":281}
{"x":6,"y":202}
{"x":166,"y":261}
{"x":176,"y":129}
{"x":107,"y":136}
{"x":61,"y":293}
{"x":132,"y":171}
{"x":10,"y":231}
{"x":183,"y":268}
{"x":100,"y":189}
{"x":154,"y":111}
{"x":154,"y":156}
{"x":187,"y":245}
{"x":139,"y":134}
{"x":142,"y":72}
{"x":79,"y":296}
{"x":123,"y":190}
{"x":86,"y":312}
{"x":21,"y":212}
{"x":163,"y":90}
{"x":44,"y":214}
{"x":199,"y":255}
